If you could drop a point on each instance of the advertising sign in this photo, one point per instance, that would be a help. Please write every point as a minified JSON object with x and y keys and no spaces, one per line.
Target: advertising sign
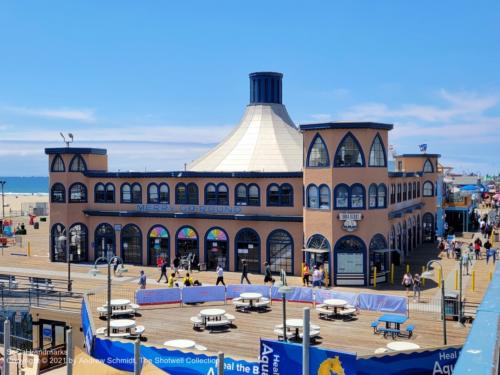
{"x":280,"y":358}
{"x":350,"y":220}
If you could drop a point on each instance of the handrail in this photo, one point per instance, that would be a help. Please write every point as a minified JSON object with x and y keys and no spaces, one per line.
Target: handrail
{"x":36,"y":297}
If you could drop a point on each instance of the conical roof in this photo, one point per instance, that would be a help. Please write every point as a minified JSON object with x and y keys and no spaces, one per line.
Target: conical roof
{"x":266,"y":139}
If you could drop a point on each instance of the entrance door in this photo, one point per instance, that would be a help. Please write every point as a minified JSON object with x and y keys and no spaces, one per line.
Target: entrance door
{"x":158,"y":245}
{"x":216,"y":249}
{"x":428,"y":227}
{"x":52,"y":343}
{"x":104,"y":241}
{"x":248,"y":248}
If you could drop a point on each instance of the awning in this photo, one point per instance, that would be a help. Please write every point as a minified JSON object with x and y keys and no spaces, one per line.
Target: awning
{"x":317,"y":251}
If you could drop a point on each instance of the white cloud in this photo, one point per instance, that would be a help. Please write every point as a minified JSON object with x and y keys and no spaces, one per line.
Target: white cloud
{"x":322,"y":117}
{"x":75,"y":114}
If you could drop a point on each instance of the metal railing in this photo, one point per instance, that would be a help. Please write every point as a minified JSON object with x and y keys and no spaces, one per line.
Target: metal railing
{"x":19,"y":298}
{"x":452,"y":306}
{"x":18,"y":342}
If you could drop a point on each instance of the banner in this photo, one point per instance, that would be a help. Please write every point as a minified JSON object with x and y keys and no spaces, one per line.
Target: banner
{"x":280,"y":358}
{"x":197,"y":294}
{"x":87,"y":328}
{"x":234,"y":291}
{"x":158,"y":296}
{"x":322,"y":294}
{"x":298,"y":294}
{"x":382,"y":302}
{"x":120,"y":355}
{"x":432,"y":362}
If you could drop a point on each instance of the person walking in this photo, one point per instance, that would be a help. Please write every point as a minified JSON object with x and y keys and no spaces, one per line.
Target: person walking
{"x":316,"y":277}
{"x":268,"y":277}
{"x":487,"y":246}
{"x":163,"y":270}
{"x":466,"y":262}
{"x":305,"y":274}
{"x":441,"y":248}
{"x":176,"y":264}
{"x":449,"y":249}
{"x":142,"y":280}
{"x":477,"y":250}
{"x":407,"y":282}
{"x":417,"y":284}
{"x":244,"y":271}
{"x":220,"y":275}
{"x":115,"y":266}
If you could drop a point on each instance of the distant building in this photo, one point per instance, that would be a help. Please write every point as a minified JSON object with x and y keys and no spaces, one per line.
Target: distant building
{"x":270,"y":191}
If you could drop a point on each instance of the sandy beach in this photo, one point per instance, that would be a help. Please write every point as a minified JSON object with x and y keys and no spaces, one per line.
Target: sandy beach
{"x":13,"y":203}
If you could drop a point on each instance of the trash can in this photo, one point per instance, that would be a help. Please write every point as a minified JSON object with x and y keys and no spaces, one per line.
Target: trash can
{"x":451,"y":306}
{"x":36,"y":225}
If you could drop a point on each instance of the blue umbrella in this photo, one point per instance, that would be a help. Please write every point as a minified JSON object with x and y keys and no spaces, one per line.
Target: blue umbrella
{"x":470,"y":188}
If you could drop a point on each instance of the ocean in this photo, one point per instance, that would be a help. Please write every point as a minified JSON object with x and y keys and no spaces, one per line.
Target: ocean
{"x":26,"y":185}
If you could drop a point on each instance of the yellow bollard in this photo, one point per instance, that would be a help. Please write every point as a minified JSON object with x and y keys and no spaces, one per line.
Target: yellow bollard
{"x":374,"y":277}
{"x":407,"y":268}
{"x":440,"y":276}
{"x":392,"y":273}
{"x":29,"y":248}
{"x":473,"y":281}
{"x":456,"y":280}
{"x":423,"y":278}
{"x":491,"y":276}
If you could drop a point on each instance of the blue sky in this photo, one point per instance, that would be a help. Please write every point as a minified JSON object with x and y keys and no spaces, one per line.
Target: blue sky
{"x":158,"y":83}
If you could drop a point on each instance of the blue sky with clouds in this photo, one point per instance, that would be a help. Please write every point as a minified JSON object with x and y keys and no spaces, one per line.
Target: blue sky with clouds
{"x":158,"y":83}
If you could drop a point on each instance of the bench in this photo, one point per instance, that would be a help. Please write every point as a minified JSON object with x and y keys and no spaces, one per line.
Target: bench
{"x":134,"y":306}
{"x":325,"y":313}
{"x":279,"y":333}
{"x":197,"y":322}
{"x":137,"y":332}
{"x":374,"y":325}
{"x":241,"y":306}
{"x":218,"y":323}
{"x":8,"y":281}
{"x":347,"y":314}
{"x":100,"y":331}
{"x":41,"y":283}
{"x":102,"y":311}
{"x":263,"y":304}
{"x":229,"y":317}
{"x":409,"y":330}
{"x":313,"y":334}
{"x":390,"y":331}
{"x":123,"y":312}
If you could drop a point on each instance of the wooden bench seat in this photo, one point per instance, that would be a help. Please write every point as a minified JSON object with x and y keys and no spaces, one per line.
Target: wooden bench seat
{"x":197,"y":322}
{"x":390,"y":331}
{"x":279,"y":332}
{"x":217,"y":323}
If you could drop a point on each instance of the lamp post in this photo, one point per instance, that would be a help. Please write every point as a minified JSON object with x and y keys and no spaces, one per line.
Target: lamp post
{"x":284,"y":290}
{"x":95,"y":271}
{"x":460,"y":292}
{"x":428,"y":274}
{"x":3,"y":205}
{"x":65,"y":238}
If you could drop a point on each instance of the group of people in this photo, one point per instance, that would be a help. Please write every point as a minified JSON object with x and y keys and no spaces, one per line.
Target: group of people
{"x":173,"y":279}
{"x":454,"y":250}
{"x":319,"y":276}
{"x":414,"y":282}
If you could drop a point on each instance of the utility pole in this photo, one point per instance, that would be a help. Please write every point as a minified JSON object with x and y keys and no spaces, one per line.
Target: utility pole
{"x":3,"y":204}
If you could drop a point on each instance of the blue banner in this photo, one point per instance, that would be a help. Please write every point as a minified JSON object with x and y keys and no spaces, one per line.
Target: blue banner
{"x":234,"y":291}
{"x":432,"y":362}
{"x":382,"y":302}
{"x":322,"y":294}
{"x":197,"y":294}
{"x":158,"y":296}
{"x":120,"y":355}
{"x":87,"y":328}
{"x":280,"y":358}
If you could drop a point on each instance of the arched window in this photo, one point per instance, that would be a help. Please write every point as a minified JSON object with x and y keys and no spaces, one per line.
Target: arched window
{"x":241,"y":195}
{"x":153,"y":194}
{"x":280,"y":251}
{"x":312,"y":196}
{"x":320,"y":254}
{"x":414,"y":190}
{"x":349,"y":153}
{"x":126,"y":193}
{"x":210,"y":194}
{"x":181,"y":194}
{"x":418,"y":189}
{"x":393,"y":193}
{"x":77,"y":164}
{"x":405,"y":191}
{"x":57,"y":193}
{"x":280,"y":195}
{"x":341,"y":194}
{"x":136,"y":193}
{"x":110,"y":193}
{"x":131,"y":240}
{"x":253,"y":195}
{"x":57,"y":245}
{"x":379,"y":256}
{"x":104,"y":240}
{"x":428,"y":189}
{"x":164,"y":193}
{"x":382,"y":196}
{"x":324,"y":197}
{"x":372,"y":196}
{"x":100,"y":193}
{"x":222,"y":195}
{"x":399,"y":193}
{"x":247,"y":248}
{"x":350,"y":260}
{"x":78,"y":193}
{"x":410,"y":191}
{"x":158,"y":245}
{"x":186,"y":243}
{"x":78,"y":243}
{"x":57,"y":164}
{"x":192,"y":193}
{"x":428,"y":168}
{"x":377,"y":153}
{"x":318,"y":153}
{"x":357,"y":196}
{"x":216,"y":248}
{"x":428,"y":229}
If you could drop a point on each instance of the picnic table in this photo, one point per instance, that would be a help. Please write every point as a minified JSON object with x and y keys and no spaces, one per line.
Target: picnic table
{"x":249,"y":300}
{"x":118,"y":307}
{"x":180,"y":344}
{"x":298,"y":325}
{"x":393,"y":321}
{"x":212,"y":318}
{"x":402,"y":345}
{"x":122,"y":328}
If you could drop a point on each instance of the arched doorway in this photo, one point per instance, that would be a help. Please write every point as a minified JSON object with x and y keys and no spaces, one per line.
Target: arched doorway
{"x":405,"y":238}
{"x":247,"y":246}
{"x":395,"y":255}
{"x":379,"y":258}
{"x":104,"y":241}
{"x":410,"y":235}
{"x":131,"y":244}
{"x":350,"y":261}
{"x":216,"y":249}
{"x":318,"y":252}
{"x":186,"y":243}
{"x":280,"y":251}
{"x":78,"y":243}
{"x":428,"y":227}
{"x":419,"y":231}
{"x":57,"y":247}
{"x":158,"y":245}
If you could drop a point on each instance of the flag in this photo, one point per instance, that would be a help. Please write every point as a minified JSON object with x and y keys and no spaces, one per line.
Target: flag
{"x":423,"y":147}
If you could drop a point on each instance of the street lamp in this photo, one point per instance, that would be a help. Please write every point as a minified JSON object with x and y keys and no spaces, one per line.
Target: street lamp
{"x":284,"y":290}
{"x":65,"y":238}
{"x":94,"y":271}
{"x":3,"y":205}
{"x":429,"y":274}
